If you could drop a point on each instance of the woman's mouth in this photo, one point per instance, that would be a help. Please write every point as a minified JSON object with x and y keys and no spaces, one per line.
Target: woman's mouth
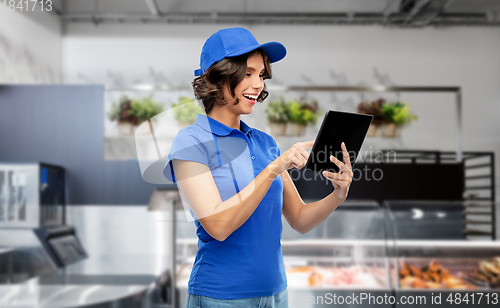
{"x":251,"y":98}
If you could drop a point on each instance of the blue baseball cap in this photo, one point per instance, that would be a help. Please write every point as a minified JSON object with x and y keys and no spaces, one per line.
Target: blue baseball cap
{"x":234,"y":42}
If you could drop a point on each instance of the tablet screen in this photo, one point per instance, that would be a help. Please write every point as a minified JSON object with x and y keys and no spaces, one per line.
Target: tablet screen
{"x":338,"y":127}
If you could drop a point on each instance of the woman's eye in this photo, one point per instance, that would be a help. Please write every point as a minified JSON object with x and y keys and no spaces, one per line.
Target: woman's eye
{"x":250,"y":74}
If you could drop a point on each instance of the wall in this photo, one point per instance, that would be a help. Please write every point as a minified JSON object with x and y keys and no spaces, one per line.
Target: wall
{"x":62,"y":125}
{"x":30,"y":47}
{"x":465,"y":57}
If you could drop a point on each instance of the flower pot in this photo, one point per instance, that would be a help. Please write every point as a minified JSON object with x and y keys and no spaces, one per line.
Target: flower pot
{"x":298,"y":130}
{"x":390,"y":130}
{"x":125,"y":129}
{"x":372,"y":130}
{"x":278,"y":129}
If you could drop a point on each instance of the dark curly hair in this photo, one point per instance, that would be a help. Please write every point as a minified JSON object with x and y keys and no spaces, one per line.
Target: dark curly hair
{"x":209,"y":86}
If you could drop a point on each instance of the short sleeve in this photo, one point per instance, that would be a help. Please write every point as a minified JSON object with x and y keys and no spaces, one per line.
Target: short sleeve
{"x":186,"y":146}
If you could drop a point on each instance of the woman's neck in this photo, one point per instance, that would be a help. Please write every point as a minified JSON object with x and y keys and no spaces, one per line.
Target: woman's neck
{"x":226,"y":117}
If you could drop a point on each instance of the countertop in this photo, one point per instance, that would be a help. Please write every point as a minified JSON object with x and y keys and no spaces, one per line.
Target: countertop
{"x":94,"y":282}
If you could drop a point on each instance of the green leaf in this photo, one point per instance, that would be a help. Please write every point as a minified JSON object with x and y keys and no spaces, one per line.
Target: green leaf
{"x":301,"y":113}
{"x":186,"y":115}
{"x":398,"y":113}
{"x":277,"y":111}
{"x":134,"y":111}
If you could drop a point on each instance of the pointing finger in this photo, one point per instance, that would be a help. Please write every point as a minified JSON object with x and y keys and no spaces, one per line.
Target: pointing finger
{"x":304,"y":153}
{"x":308,"y":144}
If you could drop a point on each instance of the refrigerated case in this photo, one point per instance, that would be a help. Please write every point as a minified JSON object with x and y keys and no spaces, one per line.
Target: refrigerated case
{"x":358,"y":250}
{"x":425,"y":219}
{"x":440,"y":264}
{"x":345,"y":254}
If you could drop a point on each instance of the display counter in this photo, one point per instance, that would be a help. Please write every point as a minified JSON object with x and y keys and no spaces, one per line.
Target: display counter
{"x":30,"y":279}
{"x":375,"y":264}
{"x":441,"y":265}
{"x":126,"y":281}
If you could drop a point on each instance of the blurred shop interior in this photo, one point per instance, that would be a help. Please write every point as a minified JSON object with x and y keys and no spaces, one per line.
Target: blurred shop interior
{"x":86,"y":222}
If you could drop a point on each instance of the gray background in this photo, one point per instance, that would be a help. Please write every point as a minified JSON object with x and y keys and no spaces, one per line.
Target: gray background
{"x":63,"y":125}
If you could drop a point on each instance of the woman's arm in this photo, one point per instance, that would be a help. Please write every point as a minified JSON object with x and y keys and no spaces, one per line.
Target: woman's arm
{"x":304,"y":217}
{"x":221,"y":218}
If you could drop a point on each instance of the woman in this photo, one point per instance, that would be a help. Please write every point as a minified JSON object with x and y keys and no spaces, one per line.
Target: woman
{"x":236,"y":183}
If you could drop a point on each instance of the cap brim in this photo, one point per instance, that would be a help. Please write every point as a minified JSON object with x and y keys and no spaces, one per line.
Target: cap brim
{"x":275,"y":51}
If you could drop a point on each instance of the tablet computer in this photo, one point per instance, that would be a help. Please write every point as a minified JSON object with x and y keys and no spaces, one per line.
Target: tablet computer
{"x":338,"y":127}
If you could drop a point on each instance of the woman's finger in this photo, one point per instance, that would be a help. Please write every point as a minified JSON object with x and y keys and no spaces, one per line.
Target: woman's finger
{"x":301,"y":147}
{"x":340,"y":184}
{"x":337,"y":162}
{"x":342,"y":167}
{"x":347,"y":158}
{"x":297,"y":161}
{"x":304,"y":153}
{"x":340,"y":181}
{"x":301,"y":159}
{"x":336,"y":176}
{"x":307,"y":144}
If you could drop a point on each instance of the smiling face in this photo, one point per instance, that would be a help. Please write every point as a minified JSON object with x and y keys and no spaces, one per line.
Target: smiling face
{"x":229,"y":87}
{"x":248,"y":89}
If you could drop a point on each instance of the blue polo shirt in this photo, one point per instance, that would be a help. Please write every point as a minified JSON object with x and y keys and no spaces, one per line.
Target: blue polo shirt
{"x":249,"y":262}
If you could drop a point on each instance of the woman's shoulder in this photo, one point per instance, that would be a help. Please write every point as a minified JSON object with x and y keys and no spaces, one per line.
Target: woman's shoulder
{"x":191,"y":132}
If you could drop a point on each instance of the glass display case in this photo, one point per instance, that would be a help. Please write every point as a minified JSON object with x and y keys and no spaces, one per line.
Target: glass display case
{"x":344,"y":257}
{"x":401,"y":253}
{"x":345,"y":262}
{"x":433,"y":261}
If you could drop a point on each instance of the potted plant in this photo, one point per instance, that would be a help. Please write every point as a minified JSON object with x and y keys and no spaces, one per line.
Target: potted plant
{"x":301,"y":114}
{"x":277,"y":115}
{"x":396,"y":115}
{"x":374,"y":108}
{"x":123,"y":113}
{"x":186,"y":110}
{"x":129,"y":113}
{"x":145,"y":109}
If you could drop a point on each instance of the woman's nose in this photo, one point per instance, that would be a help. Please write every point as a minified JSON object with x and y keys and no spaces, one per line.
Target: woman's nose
{"x":258,"y":83}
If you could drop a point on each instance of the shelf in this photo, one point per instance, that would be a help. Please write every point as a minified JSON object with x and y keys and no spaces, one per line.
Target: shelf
{"x":476,"y":232}
{"x":126,"y":147}
{"x":348,"y":243}
{"x":478,"y":222}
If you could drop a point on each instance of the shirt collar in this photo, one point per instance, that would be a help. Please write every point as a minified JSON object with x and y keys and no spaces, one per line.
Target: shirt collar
{"x":217,"y":128}
{"x":245,"y":128}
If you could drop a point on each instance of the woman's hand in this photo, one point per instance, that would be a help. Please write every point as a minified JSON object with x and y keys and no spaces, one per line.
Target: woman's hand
{"x":341,"y":180}
{"x":294,"y":157}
